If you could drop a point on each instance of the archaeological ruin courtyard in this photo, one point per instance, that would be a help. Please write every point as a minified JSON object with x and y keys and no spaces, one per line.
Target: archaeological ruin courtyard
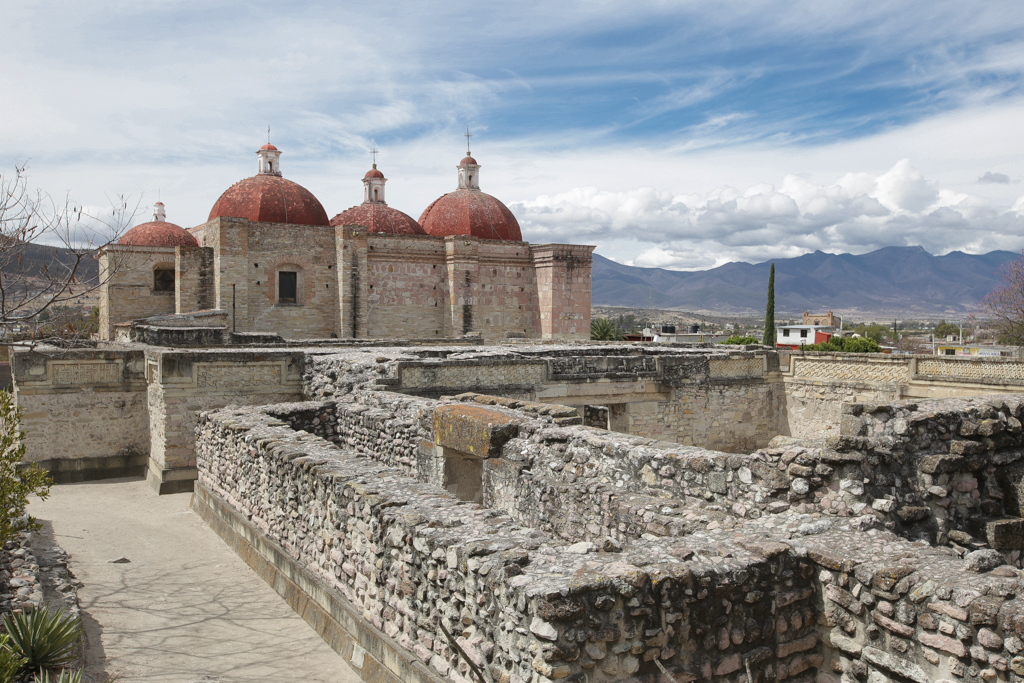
{"x":532,"y":512}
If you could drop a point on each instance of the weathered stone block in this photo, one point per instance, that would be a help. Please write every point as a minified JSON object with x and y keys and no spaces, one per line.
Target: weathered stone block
{"x":473,"y":429}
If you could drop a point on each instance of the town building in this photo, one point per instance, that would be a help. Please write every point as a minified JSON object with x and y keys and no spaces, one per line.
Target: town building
{"x":795,"y":336}
{"x":272,"y":261}
{"x":826,"y":319}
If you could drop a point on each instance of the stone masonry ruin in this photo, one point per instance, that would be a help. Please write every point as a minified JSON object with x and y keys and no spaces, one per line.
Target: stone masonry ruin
{"x":464,"y":513}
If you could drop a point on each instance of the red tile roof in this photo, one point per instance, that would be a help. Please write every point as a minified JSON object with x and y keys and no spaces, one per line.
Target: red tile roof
{"x":158,"y":234}
{"x":379,"y":217}
{"x":270,"y":199}
{"x":470,"y":212}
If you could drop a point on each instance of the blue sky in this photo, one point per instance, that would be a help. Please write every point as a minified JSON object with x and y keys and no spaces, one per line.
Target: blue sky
{"x":675,"y":134}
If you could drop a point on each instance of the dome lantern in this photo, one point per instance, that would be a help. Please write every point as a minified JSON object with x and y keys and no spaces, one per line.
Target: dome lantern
{"x":469,"y":170}
{"x":269,"y":160}
{"x":159,"y":214}
{"x":373,"y":183}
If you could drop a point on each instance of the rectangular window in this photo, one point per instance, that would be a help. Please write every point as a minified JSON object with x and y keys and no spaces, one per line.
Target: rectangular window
{"x":950,"y":352}
{"x":803,"y":334}
{"x":287,"y":287}
{"x":163,"y":280}
{"x":785,"y":333}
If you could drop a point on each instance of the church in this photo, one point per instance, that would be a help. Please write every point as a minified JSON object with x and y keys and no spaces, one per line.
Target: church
{"x":270,"y":259}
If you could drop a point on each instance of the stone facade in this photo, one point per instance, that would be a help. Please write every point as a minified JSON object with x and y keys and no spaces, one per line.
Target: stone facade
{"x":354,"y":284}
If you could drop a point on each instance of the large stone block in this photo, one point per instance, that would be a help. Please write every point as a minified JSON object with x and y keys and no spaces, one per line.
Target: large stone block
{"x":474,"y":430}
{"x":1001,"y":533}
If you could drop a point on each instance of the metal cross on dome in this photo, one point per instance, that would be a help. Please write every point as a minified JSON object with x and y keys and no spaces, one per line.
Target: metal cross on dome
{"x":374,"y":152}
{"x":467,"y":135}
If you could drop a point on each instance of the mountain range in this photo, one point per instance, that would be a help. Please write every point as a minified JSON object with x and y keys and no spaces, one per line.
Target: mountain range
{"x":891,"y":280}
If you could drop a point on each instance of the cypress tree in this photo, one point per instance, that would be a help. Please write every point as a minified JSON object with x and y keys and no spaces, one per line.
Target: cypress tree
{"x":769,"y":313}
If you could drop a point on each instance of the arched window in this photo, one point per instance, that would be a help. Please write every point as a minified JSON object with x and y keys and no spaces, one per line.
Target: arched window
{"x":376,"y":192}
{"x":163,"y":277}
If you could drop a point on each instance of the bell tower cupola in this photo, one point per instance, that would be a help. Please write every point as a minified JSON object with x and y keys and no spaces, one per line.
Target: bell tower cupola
{"x":269,"y":160}
{"x":469,"y":170}
{"x":373,"y":183}
{"x":159,"y":214}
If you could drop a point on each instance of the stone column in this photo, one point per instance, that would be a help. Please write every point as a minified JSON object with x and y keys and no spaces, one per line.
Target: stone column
{"x":563,"y":288}
{"x":353,"y":277}
{"x":194,"y":281}
{"x":462,"y":262}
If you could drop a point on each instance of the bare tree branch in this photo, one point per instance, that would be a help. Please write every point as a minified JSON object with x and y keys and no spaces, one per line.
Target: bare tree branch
{"x":45,"y":251}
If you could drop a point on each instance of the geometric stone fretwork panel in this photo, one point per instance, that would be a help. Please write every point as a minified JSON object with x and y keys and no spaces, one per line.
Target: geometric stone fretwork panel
{"x":737,"y":367}
{"x":979,"y":369}
{"x":845,"y":371}
{"x":472,"y":375}
{"x":231,"y":376}
{"x":78,"y":374}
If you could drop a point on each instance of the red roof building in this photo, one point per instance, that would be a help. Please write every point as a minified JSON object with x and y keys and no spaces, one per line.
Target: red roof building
{"x":468,"y":211}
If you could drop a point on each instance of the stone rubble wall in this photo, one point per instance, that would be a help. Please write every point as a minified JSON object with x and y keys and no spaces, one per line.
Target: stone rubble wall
{"x":526,"y":606}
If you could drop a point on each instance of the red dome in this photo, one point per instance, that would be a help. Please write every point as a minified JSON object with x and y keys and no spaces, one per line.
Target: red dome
{"x":373,"y":173}
{"x":379,"y":218}
{"x":470,"y":212}
{"x":467,"y":160}
{"x":158,"y":234}
{"x":269,"y":146}
{"x":270,"y":199}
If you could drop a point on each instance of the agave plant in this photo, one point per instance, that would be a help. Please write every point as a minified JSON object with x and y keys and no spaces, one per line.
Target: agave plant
{"x":66,"y":676}
{"x":43,"y":639}
{"x":603,"y":329}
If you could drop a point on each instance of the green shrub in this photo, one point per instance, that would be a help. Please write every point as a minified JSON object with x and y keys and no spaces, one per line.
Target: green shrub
{"x":736,"y":339}
{"x":846,"y":345}
{"x":43,"y":639}
{"x":16,"y":481}
{"x":11,"y":663}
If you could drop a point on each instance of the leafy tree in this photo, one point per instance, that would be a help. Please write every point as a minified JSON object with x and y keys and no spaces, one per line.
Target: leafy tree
{"x":603,"y":329}
{"x":769,"y":313}
{"x":737,"y":339}
{"x":876,"y":332}
{"x":944,"y":329}
{"x":17,"y":483}
{"x":1005,"y":303}
{"x":846,"y":345}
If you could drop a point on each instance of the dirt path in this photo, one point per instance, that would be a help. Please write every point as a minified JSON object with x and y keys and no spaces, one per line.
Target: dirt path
{"x":185,"y":608}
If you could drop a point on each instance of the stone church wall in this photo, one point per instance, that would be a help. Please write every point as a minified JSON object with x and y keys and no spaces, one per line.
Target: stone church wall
{"x":407,"y":294}
{"x":128,"y":293}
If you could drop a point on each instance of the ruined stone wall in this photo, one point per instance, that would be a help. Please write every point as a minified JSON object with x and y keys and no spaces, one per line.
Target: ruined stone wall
{"x":800,"y":561}
{"x":522,"y":604}
{"x":126,"y":285}
{"x":83,"y":411}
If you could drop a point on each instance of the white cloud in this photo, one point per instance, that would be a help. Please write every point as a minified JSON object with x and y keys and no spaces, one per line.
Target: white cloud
{"x":858,"y":212}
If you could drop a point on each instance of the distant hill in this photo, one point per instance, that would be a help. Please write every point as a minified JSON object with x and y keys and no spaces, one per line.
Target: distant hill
{"x":891,"y":280}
